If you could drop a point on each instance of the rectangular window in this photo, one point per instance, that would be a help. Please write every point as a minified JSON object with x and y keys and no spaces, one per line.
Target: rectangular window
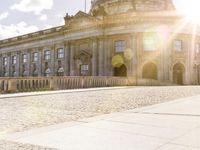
{"x":35,"y":57}
{"x":149,"y":43}
{"x":47,"y":54}
{"x":24,"y":57}
{"x":178,"y":45}
{"x":197,"y":48}
{"x":14,"y":60}
{"x":60,"y":53}
{"x":84,"y":69}
{"x":5,"y":61}
{"x":119,"y":46}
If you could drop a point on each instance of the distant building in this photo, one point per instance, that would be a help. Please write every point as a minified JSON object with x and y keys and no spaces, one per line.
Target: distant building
{"x":141,"y":38}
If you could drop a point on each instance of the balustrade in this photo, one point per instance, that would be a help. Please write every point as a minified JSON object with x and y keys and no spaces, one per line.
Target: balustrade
{"x":28,"y":84}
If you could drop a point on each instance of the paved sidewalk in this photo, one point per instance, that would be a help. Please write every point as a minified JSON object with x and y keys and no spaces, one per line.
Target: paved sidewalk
{"x":168,"y":126}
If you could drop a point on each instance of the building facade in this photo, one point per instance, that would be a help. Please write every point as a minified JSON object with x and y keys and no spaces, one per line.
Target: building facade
{"x":137,"y":38}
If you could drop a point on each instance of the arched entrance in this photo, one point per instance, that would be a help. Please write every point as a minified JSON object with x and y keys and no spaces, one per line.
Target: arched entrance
{"x":178,"y":72}
{"x":150,"y":71}
{"x":120,"y":71}
{"x":198,"y":74}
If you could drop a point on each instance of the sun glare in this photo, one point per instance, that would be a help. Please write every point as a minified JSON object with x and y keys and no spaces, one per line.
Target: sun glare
{"x":189,"y":8}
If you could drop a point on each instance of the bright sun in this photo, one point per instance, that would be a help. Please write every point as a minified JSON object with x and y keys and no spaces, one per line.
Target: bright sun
{"x":190,"y":8}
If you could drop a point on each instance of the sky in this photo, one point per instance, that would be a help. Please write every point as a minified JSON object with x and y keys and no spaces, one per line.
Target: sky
{"x":18,"y":17}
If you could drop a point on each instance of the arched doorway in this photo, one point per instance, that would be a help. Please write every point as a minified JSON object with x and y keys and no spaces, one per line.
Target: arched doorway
{"x":120,"y":71}
{"x":178,"y":72}
{"x":150,"y":71}
{"x":198,"y":74}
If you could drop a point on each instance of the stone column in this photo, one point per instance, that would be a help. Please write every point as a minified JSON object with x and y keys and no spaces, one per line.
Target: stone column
{"x":29,"y":62}
{"x":167,"y":61}
{"x":134,"y":59}
{"x":105,"y":57}
{"x":138,"y":54}
{"x":53,"y":55}
{"x":40,"y":58}
{"x":188,"y":64}
{"x":18,"y":64}
{"x":109,"y":57}
{"x":94,"y":57}
{"x":77,"y":61}
{"x":101,"y":59}
{"x":9,"y":64}
{"x":72,"y":60}
{"x":67,"y":59}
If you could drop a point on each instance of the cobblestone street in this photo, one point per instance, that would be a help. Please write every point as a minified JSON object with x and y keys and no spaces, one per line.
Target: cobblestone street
{"x":22,"y":113}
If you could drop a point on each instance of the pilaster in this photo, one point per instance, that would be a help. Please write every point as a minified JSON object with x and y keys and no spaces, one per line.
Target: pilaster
{"x":101,"y":57}
{"x":94,"y":57}
{"x":67,"y":59}
{"x":40,"y":57}
{"x":72,"y":60}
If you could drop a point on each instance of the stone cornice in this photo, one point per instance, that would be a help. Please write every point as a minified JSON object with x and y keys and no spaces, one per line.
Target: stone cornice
{"x":61,"y":33}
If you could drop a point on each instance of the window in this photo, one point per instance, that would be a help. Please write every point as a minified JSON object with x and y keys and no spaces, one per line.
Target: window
{"x":119,"y":46}
{"x":60,"y":53}
{"x":197,"y":48}
{"x":149,"y":43}
{"x":14,"y":60}
{"x":35,"y":57}
{"x":5,"y":61}
{"x":24,"y":58}
{"x":178,"y":45}
{"x":47,"y":54}
{"x":84,"y":69}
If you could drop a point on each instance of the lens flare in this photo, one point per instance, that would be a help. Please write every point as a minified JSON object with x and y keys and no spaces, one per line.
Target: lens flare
{"x":128,"y":54}
{"x":117,"y":61}
{"x":189,"y":8}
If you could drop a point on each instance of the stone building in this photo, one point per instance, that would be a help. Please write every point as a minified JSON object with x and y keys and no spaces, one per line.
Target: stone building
{"x":137,"y":38}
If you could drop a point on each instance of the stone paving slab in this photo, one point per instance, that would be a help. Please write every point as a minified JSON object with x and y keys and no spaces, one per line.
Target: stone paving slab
{"x":147,"y":128}
{"x":29,"y":111}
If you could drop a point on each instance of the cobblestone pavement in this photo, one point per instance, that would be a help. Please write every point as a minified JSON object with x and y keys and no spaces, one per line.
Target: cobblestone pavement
{"x":23,"y":113}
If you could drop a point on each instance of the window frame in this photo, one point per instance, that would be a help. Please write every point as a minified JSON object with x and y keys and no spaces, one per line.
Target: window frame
{"x":178,"y":47}
{"x":5,"y":61}
{"x":14,"y":59}
{"x":119,"y":46}
{"x":24,"y":59}
{"x":197,"y":48}
{"x":84,"y":69}
{"x":60,"y":55}
{"x":47,"y":55}
{"x":35,"y":57}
